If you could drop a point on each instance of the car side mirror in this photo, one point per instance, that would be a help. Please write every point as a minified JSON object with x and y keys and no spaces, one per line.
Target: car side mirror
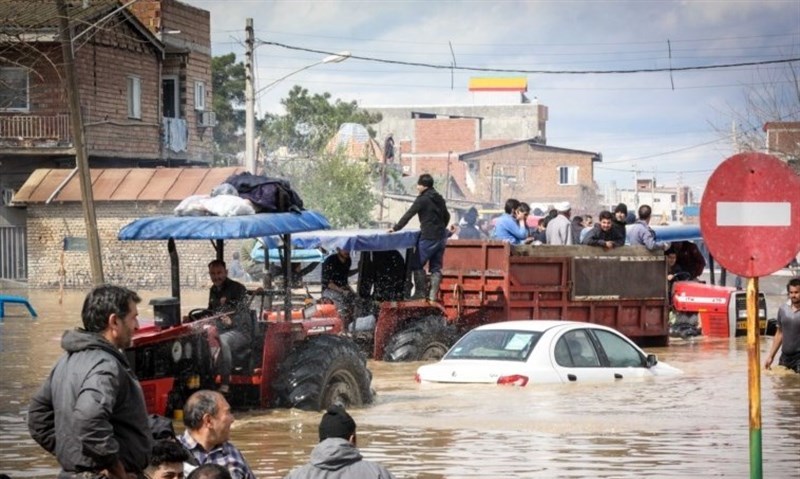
{"x":651,"y":360}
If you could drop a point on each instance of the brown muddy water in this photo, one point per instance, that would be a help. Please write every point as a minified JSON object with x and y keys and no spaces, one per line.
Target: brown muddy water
{"x":691,"y":426}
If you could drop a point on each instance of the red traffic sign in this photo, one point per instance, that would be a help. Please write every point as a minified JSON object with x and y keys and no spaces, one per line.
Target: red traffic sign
{"x":750,"y":214}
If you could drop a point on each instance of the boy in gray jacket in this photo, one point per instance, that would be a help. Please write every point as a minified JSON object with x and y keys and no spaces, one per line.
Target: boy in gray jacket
{"x":336,"y":455}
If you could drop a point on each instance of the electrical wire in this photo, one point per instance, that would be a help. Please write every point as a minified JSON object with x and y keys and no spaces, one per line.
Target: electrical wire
{"x":537,"y":72}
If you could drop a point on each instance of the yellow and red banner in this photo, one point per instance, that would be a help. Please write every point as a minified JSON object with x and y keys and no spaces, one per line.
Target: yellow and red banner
{"x":498,"y":84}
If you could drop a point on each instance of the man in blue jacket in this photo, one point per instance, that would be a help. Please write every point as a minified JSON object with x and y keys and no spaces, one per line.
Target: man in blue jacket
{"x":90,"y":412}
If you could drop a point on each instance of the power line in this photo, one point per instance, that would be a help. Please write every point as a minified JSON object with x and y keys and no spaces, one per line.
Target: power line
{"x":540,"y":72}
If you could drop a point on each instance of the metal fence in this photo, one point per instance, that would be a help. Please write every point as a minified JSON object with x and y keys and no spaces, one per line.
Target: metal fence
{"x":13,"y":253}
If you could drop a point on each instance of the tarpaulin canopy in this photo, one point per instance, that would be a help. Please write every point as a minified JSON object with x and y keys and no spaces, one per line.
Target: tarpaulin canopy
{"x":677,"y":233}
{"x":357,"y":240}
{"x":222,"y":227}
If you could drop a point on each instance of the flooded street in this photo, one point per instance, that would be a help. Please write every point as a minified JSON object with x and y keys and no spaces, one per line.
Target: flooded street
{"x":694,"y":425}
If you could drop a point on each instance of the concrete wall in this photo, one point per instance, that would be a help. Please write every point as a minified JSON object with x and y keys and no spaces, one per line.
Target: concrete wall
{"x":511,"y":122}
{"x":134,"y":264}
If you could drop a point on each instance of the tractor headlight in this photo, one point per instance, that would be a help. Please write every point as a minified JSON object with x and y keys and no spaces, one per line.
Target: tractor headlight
{"x":177,"y":351}
{"x":187,"y":351}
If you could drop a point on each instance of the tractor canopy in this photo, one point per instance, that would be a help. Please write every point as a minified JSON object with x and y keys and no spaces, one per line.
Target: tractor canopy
{"x":222,"y":227}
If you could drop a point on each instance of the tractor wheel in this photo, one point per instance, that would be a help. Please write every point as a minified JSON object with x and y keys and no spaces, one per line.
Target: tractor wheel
{"x":322,"y":371}
{"x":425,"y":340}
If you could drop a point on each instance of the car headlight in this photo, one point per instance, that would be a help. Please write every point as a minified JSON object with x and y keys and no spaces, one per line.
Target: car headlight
{"x":177,"y":351}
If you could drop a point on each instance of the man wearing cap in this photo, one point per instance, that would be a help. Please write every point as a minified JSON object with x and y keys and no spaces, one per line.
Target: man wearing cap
{"x":559,"y":229}
{"x":336,"y":456}
{"x":621,"y":218}
{"x":433,"y":221}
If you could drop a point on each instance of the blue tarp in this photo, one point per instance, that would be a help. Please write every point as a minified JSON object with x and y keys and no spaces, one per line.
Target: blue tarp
{"x":677,"y":233}
{"x":357,"y":240}
{"x":222,"y":227}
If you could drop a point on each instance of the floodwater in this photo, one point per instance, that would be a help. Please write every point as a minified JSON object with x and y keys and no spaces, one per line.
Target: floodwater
{"x":691,"y":426}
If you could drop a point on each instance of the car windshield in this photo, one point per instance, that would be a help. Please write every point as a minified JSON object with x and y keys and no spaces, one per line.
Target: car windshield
{"x":500,"y":344}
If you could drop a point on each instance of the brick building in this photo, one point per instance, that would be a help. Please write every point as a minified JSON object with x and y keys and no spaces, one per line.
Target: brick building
{"x":144,"y":79}
{"x":484,"y":171}
{"x":783,"y":141}
{"x":56,"y":240}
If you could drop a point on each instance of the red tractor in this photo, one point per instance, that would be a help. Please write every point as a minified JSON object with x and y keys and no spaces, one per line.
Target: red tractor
{"x":387,"y":323}
{"x":714,"y":311}
{"x":297,"y":357}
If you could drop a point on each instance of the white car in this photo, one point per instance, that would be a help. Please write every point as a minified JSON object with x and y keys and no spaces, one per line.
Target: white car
{"x":519,"y":353}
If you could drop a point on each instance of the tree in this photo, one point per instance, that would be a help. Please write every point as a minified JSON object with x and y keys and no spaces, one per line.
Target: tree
{"x":337,"y":187}
{"x":775,"y":98}
{"x":310,"y":121}
{"x":228,"y":78}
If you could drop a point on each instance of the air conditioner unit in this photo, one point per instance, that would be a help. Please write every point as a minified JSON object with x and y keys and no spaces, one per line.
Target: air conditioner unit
{"x":206,"y":118}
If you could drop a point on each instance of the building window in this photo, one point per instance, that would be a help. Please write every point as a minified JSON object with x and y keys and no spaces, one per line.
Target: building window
{"x":134,"y":97}
{"x":170,"y":96}
{"x":567,"y":175}
{"x":14,"y":89}
{"x":199,"y":96}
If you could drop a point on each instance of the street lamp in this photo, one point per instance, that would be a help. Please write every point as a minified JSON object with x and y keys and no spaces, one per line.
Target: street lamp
{"x":250,"y":94}
{"x":337,"y":58}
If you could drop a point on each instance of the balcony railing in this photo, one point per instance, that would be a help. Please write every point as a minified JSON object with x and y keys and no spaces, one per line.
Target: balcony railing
{"x":35,"y":130}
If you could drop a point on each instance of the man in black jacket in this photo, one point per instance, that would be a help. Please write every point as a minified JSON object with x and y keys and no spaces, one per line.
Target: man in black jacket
{"x":604,"y":234}
{"x":433,"y":220}
{"x":90,"y":412}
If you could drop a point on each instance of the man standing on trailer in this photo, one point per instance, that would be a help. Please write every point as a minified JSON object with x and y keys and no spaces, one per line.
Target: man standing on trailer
{"x":433,"y":221}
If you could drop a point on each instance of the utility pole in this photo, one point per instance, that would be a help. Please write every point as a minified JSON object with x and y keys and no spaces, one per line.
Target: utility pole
{"x":635,"y":188}
{"x":81,"y":155}
{"x":249,"y":101}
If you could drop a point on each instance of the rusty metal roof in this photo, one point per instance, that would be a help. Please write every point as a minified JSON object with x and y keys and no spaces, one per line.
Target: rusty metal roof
{"x":122,"y":184}
{"x":28,"y":14}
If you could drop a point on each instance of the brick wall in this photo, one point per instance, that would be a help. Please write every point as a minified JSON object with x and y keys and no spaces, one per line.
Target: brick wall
{"x":535,"y":176}
{"x":104,"y":65}
{"x":135,"y":264}
{"x":443,"y":135}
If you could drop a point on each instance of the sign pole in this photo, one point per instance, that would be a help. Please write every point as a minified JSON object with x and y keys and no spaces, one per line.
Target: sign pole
{"x":754,"y":378}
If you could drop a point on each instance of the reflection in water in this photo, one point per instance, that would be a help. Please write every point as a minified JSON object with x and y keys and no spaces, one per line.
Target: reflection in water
{"x":694,"y":425}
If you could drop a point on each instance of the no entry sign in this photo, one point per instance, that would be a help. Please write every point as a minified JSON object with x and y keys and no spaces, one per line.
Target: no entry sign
{"x":750,"y":214}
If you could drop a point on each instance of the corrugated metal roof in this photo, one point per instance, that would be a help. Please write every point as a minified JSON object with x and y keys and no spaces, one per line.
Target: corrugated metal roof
{"x":122,"y":184}
{"x":42,"y":14}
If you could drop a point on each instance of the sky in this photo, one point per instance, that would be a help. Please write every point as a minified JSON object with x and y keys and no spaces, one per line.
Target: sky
{"x":672,"y":126}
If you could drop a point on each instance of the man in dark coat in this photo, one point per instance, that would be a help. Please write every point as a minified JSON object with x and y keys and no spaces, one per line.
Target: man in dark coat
{"x":604,"y":234}
{"x":228,"y":296}
{"x":90,"y":412}
{"x":433,"y":221}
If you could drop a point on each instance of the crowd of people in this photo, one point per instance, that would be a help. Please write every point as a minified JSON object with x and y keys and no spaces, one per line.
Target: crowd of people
{"x":90,"y":413}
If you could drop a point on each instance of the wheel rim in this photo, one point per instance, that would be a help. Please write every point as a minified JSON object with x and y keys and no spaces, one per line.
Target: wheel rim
{"x":342,"y":388}
{"x":433,"y":352}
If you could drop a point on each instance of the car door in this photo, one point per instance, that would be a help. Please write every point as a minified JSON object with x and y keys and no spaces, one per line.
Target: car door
{"x":624,"y":360}
{"x":576,"y":359}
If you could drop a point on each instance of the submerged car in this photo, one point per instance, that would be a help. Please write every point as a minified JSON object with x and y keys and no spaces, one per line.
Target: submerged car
{"x":520,"y":353}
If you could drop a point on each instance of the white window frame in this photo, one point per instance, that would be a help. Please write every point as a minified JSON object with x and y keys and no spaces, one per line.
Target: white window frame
{"x":176,"y":92}
{"x":134,"y":97}
{"x":568,"y":173}
{"x":199,"y":96}
{"x":27,"y":106}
